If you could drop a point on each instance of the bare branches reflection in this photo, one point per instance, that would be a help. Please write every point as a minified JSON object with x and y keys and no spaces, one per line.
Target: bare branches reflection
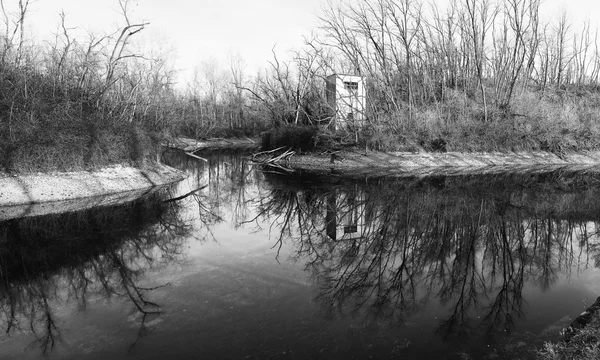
{"x":228,"y":184}
{"x":386,"y":249}
{"x":48,"y":261}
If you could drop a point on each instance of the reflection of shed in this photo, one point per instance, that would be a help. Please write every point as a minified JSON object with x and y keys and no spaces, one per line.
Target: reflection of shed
{"x":343,"y":216}
{"x":346,"y":97}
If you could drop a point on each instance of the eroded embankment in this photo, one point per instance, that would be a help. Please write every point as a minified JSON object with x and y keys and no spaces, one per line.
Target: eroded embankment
{"x":38,"y":194}
{"x":426,"y":164}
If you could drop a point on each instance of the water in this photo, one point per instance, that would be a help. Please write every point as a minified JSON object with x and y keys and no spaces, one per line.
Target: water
{"x":250,"y":263}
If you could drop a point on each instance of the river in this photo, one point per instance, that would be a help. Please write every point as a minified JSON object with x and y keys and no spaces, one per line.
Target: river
{"x":244,"y":262}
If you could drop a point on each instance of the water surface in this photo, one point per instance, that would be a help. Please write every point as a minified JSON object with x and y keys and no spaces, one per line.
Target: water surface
{"x":241,"y":262}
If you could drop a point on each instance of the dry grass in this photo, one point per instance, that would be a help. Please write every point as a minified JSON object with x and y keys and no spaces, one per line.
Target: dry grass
{"x":66,"y":149}
{"x":585,"y":345}
{"x":553,"y":122}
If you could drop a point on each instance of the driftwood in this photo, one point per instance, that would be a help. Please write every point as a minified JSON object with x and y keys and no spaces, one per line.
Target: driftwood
{"x":271,"y":158}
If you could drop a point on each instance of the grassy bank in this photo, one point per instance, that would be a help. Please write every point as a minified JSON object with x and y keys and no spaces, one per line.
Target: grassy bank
{"x":555,"y":122}
{"x":584,"y":345}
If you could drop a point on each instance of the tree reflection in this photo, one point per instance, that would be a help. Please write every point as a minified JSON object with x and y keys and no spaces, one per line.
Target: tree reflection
{"x":386,"y":248}
{"x":227,"y":181}
{"x":102,"y":252}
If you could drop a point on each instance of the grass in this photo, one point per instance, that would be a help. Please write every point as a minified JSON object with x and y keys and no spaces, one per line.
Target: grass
{"x":558,"y":122}
{"x":585,"y":345}
{"x":68,"y":148}
{"x":566,"y":122}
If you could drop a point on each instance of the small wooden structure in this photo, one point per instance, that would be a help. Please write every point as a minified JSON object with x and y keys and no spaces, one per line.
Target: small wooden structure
{"x":346,"y":97}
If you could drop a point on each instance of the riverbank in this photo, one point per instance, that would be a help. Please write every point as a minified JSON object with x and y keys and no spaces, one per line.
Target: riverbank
{"x":360,"y":162}
{"x":40,"y":193}
{"x":581,"y":340}
{"x":44,"y":193}
{"x":191,"y":145}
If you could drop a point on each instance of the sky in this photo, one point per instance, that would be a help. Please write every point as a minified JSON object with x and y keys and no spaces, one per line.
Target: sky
{"x":192,"y":31}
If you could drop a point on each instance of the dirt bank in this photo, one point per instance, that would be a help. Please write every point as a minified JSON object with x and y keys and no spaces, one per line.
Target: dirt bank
{"x":424,"y":164}
{"x":38,"y":194}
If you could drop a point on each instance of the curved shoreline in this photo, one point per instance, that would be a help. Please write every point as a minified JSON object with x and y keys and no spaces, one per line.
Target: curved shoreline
{"x":39,"y":194}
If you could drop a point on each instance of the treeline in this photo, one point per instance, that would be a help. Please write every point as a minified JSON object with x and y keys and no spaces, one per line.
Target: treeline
{"x":82,"y":101}
{"x":476,"y":75}
{"x":479,"y":74}
{"x":225,"y":99}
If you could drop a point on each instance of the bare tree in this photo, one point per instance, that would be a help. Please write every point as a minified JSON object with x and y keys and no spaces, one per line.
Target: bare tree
{"x":237,"y":66}
{"x":118,"y":52}
{"x":561,"y":61}
{"x":480,"y":17}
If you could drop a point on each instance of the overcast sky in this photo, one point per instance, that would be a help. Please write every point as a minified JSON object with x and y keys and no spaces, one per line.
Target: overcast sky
{"x":194,"y":30}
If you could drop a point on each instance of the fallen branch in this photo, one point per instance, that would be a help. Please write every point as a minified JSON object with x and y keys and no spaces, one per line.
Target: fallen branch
{"x":185,"y":195}
{"x":274,"y":160}
{"x":277,"y":166}
{"x":265,"y":152}
{"x":195,"y":156}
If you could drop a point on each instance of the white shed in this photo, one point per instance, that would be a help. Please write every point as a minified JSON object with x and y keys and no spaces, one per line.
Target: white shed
{"x":346,"y":96}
